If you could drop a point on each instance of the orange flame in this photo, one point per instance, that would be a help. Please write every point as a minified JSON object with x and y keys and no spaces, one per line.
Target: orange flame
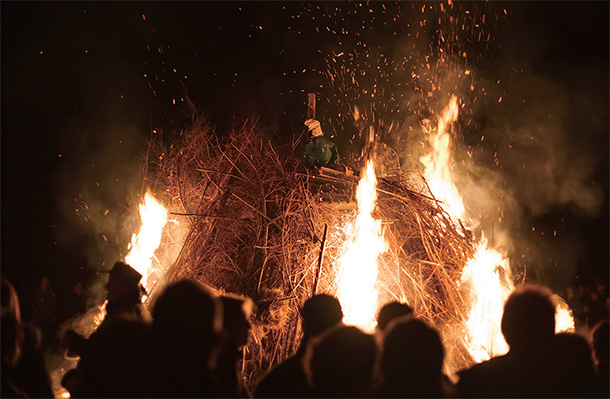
{"x":487,"y":274}
{"x":489,"y":277}
{"x":358,"y":265}
{"x":564,"y":319}
{"x":145,"y":242}
{"x":436,"y":163}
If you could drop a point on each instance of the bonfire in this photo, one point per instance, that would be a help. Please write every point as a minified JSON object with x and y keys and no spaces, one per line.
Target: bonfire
{"x":256,"y":227}
{"x":240,"y":214}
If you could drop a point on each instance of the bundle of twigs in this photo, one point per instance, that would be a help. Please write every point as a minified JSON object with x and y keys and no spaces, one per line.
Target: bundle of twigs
{"x":427,"y":252}
{"x":255,"y":226}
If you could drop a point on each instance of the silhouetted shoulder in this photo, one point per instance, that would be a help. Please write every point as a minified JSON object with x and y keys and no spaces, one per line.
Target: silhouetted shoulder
{"x":286,"y":380}
{"x":483,"y":379}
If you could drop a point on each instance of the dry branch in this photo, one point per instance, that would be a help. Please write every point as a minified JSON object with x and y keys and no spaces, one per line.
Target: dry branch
{"x":255,"y":222}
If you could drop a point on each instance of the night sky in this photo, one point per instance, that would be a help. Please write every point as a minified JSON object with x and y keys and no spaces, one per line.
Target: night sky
{"x":85,"y":83}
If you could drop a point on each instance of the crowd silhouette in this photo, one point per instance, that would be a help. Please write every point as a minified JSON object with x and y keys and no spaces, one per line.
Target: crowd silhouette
{"x":191,"y":346}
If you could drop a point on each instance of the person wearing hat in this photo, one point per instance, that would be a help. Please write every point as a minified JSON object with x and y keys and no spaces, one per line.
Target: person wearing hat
{"x":125,"y":291}
{"x":124,"y":294}
{"x":319,"y":151}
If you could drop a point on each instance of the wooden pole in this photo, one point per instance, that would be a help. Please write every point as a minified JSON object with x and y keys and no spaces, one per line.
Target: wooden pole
{"x":311,"y":106}
{"x":315,"y":284}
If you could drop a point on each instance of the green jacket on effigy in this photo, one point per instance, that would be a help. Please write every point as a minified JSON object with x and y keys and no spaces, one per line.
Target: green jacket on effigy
{"x":320,"y":151}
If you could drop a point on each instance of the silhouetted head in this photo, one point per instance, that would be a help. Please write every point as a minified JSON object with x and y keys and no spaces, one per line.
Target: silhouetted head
{"x":123,"y":281}
{"x":390,"y":311}
{"x":574,"y":348}
{"x":340,"y":362}
{"x":412,"y":357}
{"x":600,"y":337}
{"x":187,"y":320}
{"x":236,"y":315}
{"x":529,"y":317}
{"x":44,"y":283}
{"x":319,"y":313}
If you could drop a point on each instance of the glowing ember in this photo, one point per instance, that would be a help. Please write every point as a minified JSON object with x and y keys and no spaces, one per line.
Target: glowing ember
{"x":358,"y":265}
{"x":144,"y":243}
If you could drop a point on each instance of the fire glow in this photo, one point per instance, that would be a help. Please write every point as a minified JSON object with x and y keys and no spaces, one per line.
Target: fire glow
{"x":145,"y":242}
{"x":487,"y":274}
{"x":358,"y":268}
{"x":436,"y":163}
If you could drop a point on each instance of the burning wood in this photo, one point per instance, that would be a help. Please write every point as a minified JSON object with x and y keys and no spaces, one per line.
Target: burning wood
{"x":261,"y":231}
{"x":256,"y":221}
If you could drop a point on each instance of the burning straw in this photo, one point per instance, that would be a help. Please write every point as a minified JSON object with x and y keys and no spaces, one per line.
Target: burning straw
{"x":423,"y":267}
{"x":254,"y":228}
{"x":255,"y":225}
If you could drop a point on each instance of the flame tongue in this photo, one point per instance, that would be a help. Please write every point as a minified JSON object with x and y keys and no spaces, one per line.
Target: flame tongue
{"x":564,"y":319}
{"x":436,"y":163}
{"x":487,"y":274}
{"x":154,"y":216}
{"x":358,"y":265}
{"x":489,"y":277}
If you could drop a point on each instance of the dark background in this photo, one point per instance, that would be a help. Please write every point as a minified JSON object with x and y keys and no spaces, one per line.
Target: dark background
{"x":85,"y":83}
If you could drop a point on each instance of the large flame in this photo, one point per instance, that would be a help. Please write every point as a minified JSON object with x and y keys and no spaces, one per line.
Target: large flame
{"x":487,"y":275}
{"x":144,"y":243}
{"x":436,"y":163}
{"x":358,"y":265}
{"x":142,"y":249}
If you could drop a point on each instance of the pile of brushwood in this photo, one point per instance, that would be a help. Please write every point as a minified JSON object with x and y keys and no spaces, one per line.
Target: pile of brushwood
{"x":255,"y":227}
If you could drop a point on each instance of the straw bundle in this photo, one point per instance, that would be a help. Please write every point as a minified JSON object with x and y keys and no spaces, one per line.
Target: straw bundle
{"x":255,"y":225}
